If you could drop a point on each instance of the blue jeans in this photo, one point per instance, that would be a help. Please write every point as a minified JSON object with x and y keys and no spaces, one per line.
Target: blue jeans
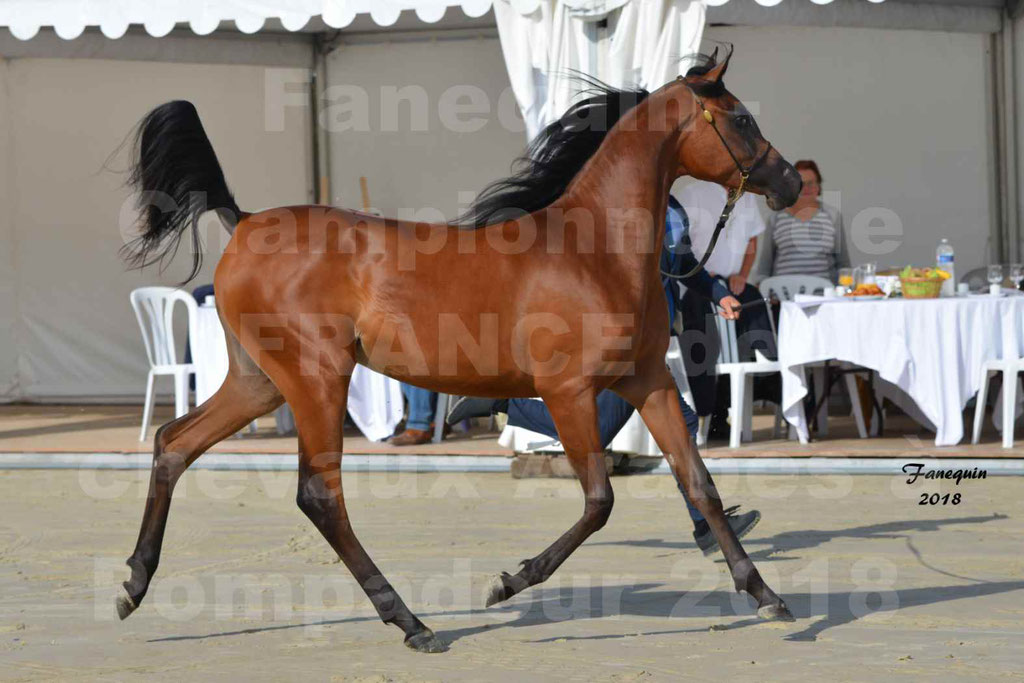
{"x":612,"y":414}
{"x":422,"y":405}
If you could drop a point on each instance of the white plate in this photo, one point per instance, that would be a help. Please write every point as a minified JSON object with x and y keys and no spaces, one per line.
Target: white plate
{"x":866,"y":297}
{"x":985,"y":295}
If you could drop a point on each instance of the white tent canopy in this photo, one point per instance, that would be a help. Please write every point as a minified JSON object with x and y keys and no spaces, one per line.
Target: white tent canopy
{"x":69,"y":18}
{"x":621,"y":42}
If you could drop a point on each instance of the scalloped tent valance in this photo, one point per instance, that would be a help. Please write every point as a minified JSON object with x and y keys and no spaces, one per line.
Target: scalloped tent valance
{"x":69,"y":18}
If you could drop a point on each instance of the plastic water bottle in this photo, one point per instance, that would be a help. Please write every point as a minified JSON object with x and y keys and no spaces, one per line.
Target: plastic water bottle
{"x":944,"y":260}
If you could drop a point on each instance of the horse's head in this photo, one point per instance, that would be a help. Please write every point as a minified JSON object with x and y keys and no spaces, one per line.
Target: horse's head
{"x":723,"y":143}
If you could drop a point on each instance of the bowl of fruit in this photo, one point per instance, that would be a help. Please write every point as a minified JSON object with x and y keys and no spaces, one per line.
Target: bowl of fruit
{"x":922,"y":283}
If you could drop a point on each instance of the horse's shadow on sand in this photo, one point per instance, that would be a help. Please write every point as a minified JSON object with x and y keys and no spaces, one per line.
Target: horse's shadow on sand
{"x":826,"y":609}
{"x":541,"y":605}
{"x":549,"y":606}
{"x":789,"y":541}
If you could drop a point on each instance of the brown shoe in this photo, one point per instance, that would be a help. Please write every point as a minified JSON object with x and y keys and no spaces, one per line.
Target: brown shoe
{"x":411,"y":437}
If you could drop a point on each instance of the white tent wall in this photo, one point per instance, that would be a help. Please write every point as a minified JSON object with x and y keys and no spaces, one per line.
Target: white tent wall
{"x":422,"y":170}
{"x":74,"y":334}
{"x":875,"y":107}
{"x":896,"y":120}
{"x":901,"y":147}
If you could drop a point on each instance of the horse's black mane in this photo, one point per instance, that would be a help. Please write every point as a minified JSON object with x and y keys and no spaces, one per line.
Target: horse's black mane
{"x":554,"y":157}
{"x":558,"y":153}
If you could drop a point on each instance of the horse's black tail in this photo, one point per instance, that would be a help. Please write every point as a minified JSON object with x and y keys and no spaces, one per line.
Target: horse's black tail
{"x":177,"y":176}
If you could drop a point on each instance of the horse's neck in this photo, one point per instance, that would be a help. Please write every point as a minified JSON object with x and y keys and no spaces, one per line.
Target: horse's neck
{"x":628,"y":177}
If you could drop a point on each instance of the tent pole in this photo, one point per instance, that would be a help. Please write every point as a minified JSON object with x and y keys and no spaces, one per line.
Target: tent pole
{"x":996,"y":158}
{"x":321,"y":45}
{"x":1004,"y":193}
{"x":1011,"y":209}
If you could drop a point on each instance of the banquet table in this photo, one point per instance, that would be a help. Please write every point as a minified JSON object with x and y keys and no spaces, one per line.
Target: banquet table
{"x":374,"y":401}
{"x":930,"y":349}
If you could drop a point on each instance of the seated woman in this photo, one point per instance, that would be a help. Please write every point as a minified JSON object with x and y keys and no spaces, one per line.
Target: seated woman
{"x":612,"y":410}
{"x":807,"y":238}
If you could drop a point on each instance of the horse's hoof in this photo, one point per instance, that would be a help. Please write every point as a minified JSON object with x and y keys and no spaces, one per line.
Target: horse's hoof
{"x":125,"y":604}
{"x":497,"y":591}
{"x":426,"y":641}
{"x":775,"y":612}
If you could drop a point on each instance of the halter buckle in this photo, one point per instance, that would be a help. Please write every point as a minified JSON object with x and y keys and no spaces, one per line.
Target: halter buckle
{"x":736,"y":193}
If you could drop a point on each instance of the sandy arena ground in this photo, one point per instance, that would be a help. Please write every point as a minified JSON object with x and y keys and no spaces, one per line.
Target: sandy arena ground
{"x":247,"y":590}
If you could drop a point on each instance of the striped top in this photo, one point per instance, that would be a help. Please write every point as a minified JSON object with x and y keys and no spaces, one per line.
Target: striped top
{"x":813,"y":247}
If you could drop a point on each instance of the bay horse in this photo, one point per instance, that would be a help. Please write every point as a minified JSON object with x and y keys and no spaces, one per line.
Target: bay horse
{"x":505,"y":309}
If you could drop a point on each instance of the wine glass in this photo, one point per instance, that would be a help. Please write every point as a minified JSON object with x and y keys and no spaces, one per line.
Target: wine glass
{"x":995,"y":277}
{"x":846,"y":277}
{"x":1016,"y":274}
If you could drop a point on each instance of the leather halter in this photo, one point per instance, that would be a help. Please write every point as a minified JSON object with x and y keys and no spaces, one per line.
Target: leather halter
{"x":734,"y":193}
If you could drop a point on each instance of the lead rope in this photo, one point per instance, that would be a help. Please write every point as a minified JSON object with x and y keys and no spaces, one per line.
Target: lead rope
{"x":733,"y":197}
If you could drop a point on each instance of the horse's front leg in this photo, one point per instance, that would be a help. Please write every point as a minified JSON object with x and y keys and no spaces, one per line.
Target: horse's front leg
{"x":658,"y":404}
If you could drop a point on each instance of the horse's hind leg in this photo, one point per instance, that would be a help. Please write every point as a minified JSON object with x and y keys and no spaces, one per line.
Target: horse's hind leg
{"x":320,"y":407}
{"x":246,"y":394}
{"x":575,"y":416}
{"x":660,"y":411}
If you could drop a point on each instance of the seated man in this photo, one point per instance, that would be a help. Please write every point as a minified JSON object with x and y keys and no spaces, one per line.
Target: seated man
{"x":422,"y":404}
{"x":612,"y":410}
{"x":730,"y":263}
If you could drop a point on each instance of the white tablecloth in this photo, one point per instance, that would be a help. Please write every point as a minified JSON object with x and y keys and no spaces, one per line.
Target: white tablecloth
{"x":931,"y":349}
{"x":209,"y":353}
{"x":374,"y":401}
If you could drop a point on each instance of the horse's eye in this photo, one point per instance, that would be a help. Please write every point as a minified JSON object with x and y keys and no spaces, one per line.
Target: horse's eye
{"x":743,"y":121}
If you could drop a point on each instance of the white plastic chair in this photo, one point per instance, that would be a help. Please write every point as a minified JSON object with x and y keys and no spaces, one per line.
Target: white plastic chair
{"x":741,"y":384}
{"x":1010,"y":366}
{"x":785,"y":288}
{"x":154,"y":309}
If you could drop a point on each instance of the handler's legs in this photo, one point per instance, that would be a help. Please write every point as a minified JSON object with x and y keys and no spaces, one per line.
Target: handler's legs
{"x":651,"y":391}
{"x":742,"y":524}
{"x":700,"y":344}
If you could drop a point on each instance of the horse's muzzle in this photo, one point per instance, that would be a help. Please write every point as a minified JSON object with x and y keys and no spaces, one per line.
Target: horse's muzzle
{"x":784,"y":185}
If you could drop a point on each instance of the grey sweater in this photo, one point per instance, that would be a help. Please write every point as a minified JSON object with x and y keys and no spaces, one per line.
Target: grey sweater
{"x":790,"y":246}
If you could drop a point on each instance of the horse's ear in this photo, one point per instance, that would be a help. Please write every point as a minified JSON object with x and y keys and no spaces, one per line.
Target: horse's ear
{"x":712,"y":78}
{"x":715,"y":73}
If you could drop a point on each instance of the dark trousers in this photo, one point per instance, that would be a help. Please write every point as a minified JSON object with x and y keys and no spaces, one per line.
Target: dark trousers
{"x":612,"y":414}
{"x":700,"y":345}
